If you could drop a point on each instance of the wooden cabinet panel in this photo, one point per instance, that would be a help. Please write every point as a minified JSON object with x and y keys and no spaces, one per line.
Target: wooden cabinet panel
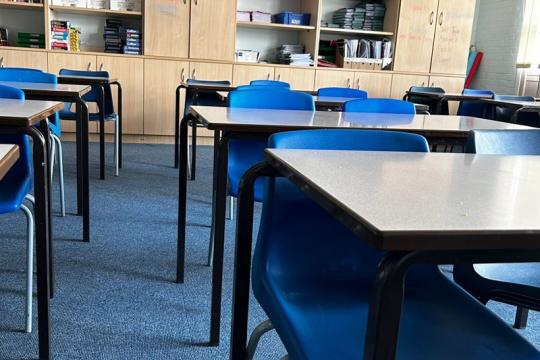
{"x":244,"y":74}
{"x":378,"y":85}
{"x":213,"y":29}
{"x":415,"y":35}
{"x":58,"y":61}
{"x":129,"y":72}
{"x":450,"y":85}
{"x":23,"y":58}
{"x":300,"y":79}
{"x":453,"y":36}
{"x":161,"y":77}
{"x":210,"y":71}
{"x":402,"y":83}
{"x":331,"y":78}
{"x":166,"y":24}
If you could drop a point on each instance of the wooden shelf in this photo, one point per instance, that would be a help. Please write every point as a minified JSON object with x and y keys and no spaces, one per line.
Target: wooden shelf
{"x":81,"y":10}
{"x":19,"y":5}
{"x":354,"y":32}
{"x":273,"y":26}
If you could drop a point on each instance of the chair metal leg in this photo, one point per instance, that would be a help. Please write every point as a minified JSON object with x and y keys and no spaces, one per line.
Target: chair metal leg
{"x":29,"y":267}
{"x":230,"y":214}
{"x":522,"y":315}
{"x":60,"y":157}
{"x":116,"y":146}
{"x":255,"y":337}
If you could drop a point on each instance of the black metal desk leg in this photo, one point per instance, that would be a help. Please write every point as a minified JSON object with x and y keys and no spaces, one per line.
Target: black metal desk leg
{"x":45,"y":132}
{"x":82,"y":110}
{"x":41,"y":189}
{"x":193,"y":148}
{"x":101,"y":106}
{"x":120,"y":119}
{"x":385,"y":308}
{"x":78,"y":145}
{"x":182,"y":201}
{"x":176,"y":126}
{"x":217,"y":138}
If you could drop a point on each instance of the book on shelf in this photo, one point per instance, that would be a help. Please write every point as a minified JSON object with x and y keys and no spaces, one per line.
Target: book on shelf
{"x":3,"y":37}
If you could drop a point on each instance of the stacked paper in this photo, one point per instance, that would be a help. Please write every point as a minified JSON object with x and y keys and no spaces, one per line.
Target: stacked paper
{"x":133,"y":42}
{"x":261,"y":17}
{"x":31,"y":40}
{"x":344,"y":18}
{"x":60,"y":35}
{"x":294,"y":55}
{"x":374,"y":19}
{"x":112,"y":34}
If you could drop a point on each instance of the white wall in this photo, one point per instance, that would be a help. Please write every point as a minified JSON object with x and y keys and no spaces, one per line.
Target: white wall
{"x":497,"y":33}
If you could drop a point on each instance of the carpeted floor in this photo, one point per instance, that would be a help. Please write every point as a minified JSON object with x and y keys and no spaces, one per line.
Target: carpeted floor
{"x":115,"y":297}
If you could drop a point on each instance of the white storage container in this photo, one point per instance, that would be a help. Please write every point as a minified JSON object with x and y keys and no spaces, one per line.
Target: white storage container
{"x":126,"y":5}
{"x":97,"y":4}
{"x":75,"y":3}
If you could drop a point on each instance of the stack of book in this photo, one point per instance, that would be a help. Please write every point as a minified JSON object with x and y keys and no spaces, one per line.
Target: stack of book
{"x":60,"y":35}
{"x":112,"y":34}
{"x":359,"y":18}
{"x":133,"y":42}
{"x":31,"y":40}
{"x":3,"y":37}
{"x":374,"y":19}
{"x":344,"y":18}
{"x":294,"y":55}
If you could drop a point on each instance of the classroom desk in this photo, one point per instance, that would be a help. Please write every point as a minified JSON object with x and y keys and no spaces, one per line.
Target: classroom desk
{"x":482,"y":220}
{"x":441,"y":97}
{"x":71,"y":94}
{"x":516,"y":106}
{"x":100,"y":82}
{"x":18,"y":117}
{"x":235,"y":123}
{"x":9,"y":154}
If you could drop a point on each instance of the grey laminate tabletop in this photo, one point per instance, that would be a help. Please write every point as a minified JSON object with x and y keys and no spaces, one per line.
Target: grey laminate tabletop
{"x":85,"y":80}
{"x":532,"y":105}
{"x":424,"y":201}
{"x":26,"y":112}
{"x":449,"y":96}
{"x":263,"y":120}
{"x":9,"y":154}
{"x":43,"y":89}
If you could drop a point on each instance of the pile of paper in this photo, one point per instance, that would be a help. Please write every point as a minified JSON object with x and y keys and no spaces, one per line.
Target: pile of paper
{"x":374,"y":18}
{"x":344,"y":18}
{"x":294,"y":55}
{"x":60,"y":35}
{"x":112,"y":34}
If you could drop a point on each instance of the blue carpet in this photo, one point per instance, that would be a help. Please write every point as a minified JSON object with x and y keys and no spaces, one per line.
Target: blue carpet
{"x":115,"y":297}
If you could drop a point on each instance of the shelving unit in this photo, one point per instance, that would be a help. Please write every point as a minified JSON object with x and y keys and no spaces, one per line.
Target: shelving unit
{"x":273,"y":26}
{"x":327,"y":30}
{"x":19,"y":5}
{"x":89,"y":11}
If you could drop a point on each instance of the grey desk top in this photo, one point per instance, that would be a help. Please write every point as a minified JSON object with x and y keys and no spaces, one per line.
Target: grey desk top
{"x":449,"y":96}
{"x":42,"y":89}
{"x":25,"y":113}
{"x":84,"y":80}
{"x":263,"y":120}
{"x":417,"y":201}
{"x":533,"y":105}
{"x":9,"y":154}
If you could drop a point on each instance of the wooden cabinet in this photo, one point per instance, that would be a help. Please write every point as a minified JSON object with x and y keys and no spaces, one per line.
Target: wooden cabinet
{"x":452,"y":36}
{"x":58,"y":61}
{"x":333,"y":78}
{"x":23,"y":58}
{"x":210,"y":71}
{"x":166,"y":25}
{"x":401,"y":83}
{"x":378,"y":85}
{"x":213,"y":29}
{"x":416,"y":31}
{"x":244,"y":74}
{"x":450,"y":85}
{"x":300,"y":79}
{"x":129,"y":72}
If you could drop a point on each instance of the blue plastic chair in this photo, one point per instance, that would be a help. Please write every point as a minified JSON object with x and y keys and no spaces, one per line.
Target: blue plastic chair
{"x":15,"y":187}
{"x":342,"y":92}
{"x":261,"y":87}
{"x":272,"y":83}
{"x":514,"y":284}
{"x":313,"y":277}
{"x":38,"y":76}
{"x":474,"y":108}
{"x":93,"y":97}
{"x":381,"y":106}
{"x":523,"y":118}
{"x":432,"y":103}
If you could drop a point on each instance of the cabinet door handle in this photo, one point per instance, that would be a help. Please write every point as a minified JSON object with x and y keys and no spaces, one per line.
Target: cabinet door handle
{"x":432,"y":18}
{"x":185,"y":2}
{"x":89,"y":66}
{"x":278,"y":77}
{"x":183,"y":75}
{"x":441,"y":16}
{"x":1,"y":62}
{"x":423,"y":84}
{"x":196,"y":2}
{"x":101,"y":67}
{"x":268,"y":76}
{"x":432,"y":84}
{"x":349,"y":82}
{"x":193,"y":74}
{"x":358,"y":84}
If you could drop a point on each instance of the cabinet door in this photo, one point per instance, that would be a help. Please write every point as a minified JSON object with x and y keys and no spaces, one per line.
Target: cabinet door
{"x":58,"y":61}
{"x":378,"y":85}
{"x":402,"y":83}
{"x":210,"y":71}
{"x":213,"y":29}
{"x":129,"y":73}
{"x":333,"y":78}
{"x":450,"y":85}
{"x":166,"y":24}
{"x":244,"y":74}
{"x":300,"y":79}
{"x":453,"y":36}
{"x":416,"y":31}
{"x":23,"y":58}
{"x":161,"y":77}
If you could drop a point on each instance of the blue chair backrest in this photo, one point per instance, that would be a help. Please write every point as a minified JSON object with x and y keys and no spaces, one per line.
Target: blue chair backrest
{"x":260,"y":87}
{"x":23,"y":166}
{"x":504,"y":142}
{"x":34,"y":76}
{"x":474,"y":108}
{"x":505,"y":114}
{"x":204,"y":98}
{"x":381,"y":106}
{"x":272,"y":83}
{"x":342,"y":92}
{"x":93,"y":95}
{"x":298,"y":241}
{"x":432,"y":103}
{"x":19,"y":68}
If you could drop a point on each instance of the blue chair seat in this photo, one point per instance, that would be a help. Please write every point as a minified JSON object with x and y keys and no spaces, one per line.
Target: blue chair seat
{"x":524,"y":273}
{"x":68,"y":115}
{"x":13,"y":189}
